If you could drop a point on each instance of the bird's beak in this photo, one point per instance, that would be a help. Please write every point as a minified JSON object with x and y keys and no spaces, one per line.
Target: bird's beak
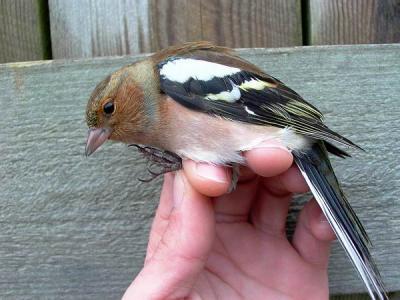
{"x":96,"y":138}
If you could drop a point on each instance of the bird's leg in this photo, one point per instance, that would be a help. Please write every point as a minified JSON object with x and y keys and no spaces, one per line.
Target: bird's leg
{"x":164,"y":160}
{"x":235,"y":177}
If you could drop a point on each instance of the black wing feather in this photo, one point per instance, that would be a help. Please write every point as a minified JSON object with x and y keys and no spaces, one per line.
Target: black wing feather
{"x":275,"y":104}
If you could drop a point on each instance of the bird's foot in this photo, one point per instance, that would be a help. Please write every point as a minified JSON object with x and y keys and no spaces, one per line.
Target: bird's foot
{"x":159,"y":161}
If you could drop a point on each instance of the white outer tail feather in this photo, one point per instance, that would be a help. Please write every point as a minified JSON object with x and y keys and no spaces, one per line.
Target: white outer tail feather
{"x":363,"y":269}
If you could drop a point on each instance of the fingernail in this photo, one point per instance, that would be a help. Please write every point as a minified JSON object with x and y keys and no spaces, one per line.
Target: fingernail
{"x":179,"y":189}
{"x":211,"y":172}
{"x":272,"y":144}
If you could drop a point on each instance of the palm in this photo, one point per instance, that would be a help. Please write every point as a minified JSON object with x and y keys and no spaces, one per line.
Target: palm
{"x":246,"y":261}
{"x":234,"y":246}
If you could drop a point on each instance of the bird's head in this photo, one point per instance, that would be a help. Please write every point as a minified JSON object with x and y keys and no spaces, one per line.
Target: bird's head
{"x":114,"y":110}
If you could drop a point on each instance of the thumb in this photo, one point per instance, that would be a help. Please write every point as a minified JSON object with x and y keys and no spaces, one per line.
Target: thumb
{"x":183,"y":250}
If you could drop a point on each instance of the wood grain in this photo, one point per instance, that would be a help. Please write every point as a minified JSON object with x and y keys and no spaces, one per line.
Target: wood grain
{"x":23,"y":32}
{"x":354,"y":21}
{"x":392,"y":296}
{"x":175,"y":21}
{"x":102,"y":28}
{"x":76,"y":228}
{"x":99,"y":28}
{"x":234,"y":23}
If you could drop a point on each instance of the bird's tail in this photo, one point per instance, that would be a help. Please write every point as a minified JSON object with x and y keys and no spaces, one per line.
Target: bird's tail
{"x":315,"y":166}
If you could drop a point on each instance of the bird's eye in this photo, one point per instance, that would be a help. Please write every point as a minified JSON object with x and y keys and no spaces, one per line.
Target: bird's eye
{"x":108,"y":108}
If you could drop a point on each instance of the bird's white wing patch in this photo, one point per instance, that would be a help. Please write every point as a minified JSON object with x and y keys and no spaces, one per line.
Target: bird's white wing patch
{"x":256,"y":84}
{"x":228,"y":96}
{"x":249,"y":111}
{"x":182,"y":69}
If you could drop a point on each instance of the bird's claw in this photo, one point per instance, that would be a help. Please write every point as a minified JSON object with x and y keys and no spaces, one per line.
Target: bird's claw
{"x":166,"y":160}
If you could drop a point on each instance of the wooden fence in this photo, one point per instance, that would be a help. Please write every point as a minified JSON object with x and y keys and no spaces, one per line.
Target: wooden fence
{"x":40,"y":29}
{"x":76,"y":228}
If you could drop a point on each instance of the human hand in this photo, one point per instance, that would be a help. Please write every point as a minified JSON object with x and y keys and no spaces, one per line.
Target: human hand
{"x":205,"y":244}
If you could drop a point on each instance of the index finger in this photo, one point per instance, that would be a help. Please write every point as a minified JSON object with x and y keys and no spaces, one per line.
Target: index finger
{"x":269,"y":159}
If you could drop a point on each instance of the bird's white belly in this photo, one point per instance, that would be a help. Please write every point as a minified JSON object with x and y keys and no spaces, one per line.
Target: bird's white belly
{"x":221,"y":141}
{"x":206,"y":138}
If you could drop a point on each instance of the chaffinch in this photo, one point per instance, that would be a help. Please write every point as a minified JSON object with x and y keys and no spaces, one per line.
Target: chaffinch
{"x":203,"y":102}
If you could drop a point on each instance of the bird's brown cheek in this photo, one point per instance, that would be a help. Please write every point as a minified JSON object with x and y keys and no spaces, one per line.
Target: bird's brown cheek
{"x":114,"y":137}
{"x":119,"y":135}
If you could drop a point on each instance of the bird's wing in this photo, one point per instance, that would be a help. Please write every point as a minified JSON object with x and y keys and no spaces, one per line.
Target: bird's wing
{"x":237,"y":90}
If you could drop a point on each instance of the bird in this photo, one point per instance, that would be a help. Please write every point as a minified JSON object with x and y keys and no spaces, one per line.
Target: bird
{"x":204,"y":102}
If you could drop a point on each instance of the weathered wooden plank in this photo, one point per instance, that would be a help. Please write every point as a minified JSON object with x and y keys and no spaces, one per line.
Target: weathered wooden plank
{"x":97,"y":28}
{"x":392,"y":296}
{"x":354,"y":21}
{"x":175,"y":21}
{"x":232,"y":23}
{"x":76,"y":228}
{"x":101,"y":28}
{"x":351,"y":297}
{"x":23,"y":30}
